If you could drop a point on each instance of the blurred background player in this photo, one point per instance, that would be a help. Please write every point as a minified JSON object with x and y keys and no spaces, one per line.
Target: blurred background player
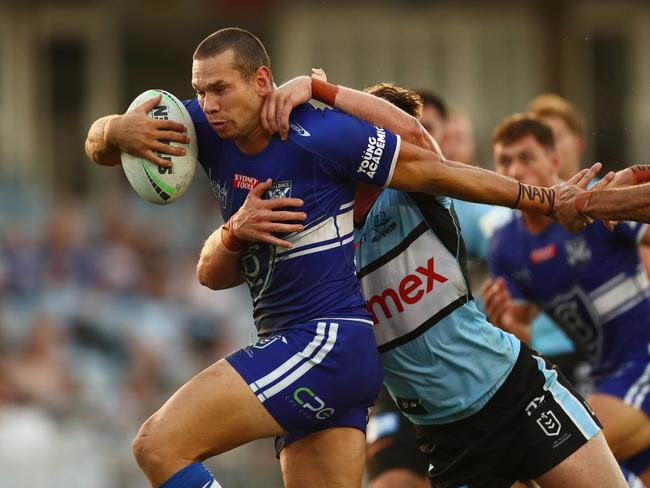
{"x":592,"y":284}
{"x":568,"y":126}
{"x":478,"y":222}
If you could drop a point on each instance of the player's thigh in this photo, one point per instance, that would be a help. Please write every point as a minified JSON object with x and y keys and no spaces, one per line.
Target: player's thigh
{"x":212,"y":413}
{"x":332,"y":458}
{"x":626,"y":428}
{"x":592,"y":465}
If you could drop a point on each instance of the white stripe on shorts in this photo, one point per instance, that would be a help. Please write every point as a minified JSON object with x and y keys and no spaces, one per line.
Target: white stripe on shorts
{"x":292,"y":361}
{"x":638,"y":390}
{"x":363,"y":321}
{"x":577,"y":404}
{"x":304,"y":367}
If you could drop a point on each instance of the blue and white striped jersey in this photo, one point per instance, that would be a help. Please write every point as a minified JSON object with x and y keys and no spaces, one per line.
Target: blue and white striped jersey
{"x":592,"y":284}
{"x":326,"y":154}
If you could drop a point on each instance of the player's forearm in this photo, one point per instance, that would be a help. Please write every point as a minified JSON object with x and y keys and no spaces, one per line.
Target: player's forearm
{"x":378,"y":111}
{"x":475,"y":185}
{"x":218,"y":267}
{"x":98,"y":147}
{"x":632,"y":203}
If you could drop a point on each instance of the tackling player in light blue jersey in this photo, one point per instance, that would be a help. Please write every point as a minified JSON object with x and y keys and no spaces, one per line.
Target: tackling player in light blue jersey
{"x":487,"y":410}
{"x":591,"y":283}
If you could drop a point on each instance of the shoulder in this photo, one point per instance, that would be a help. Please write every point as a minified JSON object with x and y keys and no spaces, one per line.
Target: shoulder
{"x":307,"y":121}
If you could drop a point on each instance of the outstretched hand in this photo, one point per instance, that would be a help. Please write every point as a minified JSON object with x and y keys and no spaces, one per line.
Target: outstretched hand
{"x":564,"y":210}
{"x":138,"y":134}
{"x":258,"y":219}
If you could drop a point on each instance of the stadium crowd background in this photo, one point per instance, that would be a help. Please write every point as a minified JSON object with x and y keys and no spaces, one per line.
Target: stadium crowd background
{"x":101,"y":317}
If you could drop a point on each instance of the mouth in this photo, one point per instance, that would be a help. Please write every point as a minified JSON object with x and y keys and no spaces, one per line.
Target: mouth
{"x":218,"y":125}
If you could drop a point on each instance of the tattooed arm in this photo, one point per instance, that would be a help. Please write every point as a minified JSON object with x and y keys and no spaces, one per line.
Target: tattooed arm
{"x":624,"y":195}
{"x":419,"y":170}
{"x":631,"y":203}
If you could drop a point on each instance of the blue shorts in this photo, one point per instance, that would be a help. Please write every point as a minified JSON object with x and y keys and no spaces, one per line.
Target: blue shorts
{"x":313,"y":376}
{"x":631,"y":383}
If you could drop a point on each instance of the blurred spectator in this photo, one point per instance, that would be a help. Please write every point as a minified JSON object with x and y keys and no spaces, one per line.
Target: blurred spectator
{"x":101,"y":318}
{"x":568,"y":126}
{"x":458,"y":143}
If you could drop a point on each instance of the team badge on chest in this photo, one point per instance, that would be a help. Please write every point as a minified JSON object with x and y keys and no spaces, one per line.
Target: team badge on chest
{"x":577,"y":252}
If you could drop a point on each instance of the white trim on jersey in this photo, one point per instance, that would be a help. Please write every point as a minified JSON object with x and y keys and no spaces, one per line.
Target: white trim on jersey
{"x":619,"y":294}
{"x":393,"y":163}
{"x":639,"y":389}
{"x":346,"y":205}
{"x":304,"y":367}
{"x":317,"y":249}
{"x":641,"y":234}
{"x":338,"y":229}
{"x":333,"y":232}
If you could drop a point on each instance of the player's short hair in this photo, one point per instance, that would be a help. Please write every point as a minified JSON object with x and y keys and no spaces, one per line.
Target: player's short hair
{"x":550,"y":104}
{"x":436,"y":101}
{"x":407,"y":100}
{"x":249,"y":51}
{"x":517,"y":126}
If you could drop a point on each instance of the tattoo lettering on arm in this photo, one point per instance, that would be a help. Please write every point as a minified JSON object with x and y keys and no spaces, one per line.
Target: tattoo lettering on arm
{"x":535,"y":194}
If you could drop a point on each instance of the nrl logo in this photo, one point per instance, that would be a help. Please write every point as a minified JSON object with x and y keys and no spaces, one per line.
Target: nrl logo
{"x":549,"y":423}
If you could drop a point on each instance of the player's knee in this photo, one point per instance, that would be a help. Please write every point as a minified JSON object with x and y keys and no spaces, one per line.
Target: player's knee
{"x":148,"y":450}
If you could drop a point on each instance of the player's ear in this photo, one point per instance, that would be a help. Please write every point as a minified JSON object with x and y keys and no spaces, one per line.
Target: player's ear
{"x":263,"y":80}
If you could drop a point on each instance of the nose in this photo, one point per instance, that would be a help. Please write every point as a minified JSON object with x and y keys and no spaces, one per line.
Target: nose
{"x":211,"y":103}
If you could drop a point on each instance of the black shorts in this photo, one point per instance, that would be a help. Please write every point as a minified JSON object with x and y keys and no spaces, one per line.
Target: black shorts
{"x":391,"y":441}
{"x":534,"y":421}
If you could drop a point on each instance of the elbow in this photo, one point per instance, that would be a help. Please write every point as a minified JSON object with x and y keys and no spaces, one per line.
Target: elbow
{"x":204,"y":275}
{"x":417,"y":134}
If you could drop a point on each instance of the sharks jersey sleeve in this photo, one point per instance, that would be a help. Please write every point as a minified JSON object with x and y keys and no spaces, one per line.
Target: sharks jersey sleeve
{"x":354,"y":148}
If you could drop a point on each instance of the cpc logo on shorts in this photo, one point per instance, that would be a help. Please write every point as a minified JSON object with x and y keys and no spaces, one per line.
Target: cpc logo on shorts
{"x":312,"y":402}
{"x":549,"y":423}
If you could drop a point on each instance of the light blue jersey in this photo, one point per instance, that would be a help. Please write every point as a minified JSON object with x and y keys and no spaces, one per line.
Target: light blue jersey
{"x":478,"y":222}
{"x":442,"y":360}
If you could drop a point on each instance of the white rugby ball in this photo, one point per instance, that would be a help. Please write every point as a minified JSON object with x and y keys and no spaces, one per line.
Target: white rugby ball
{"x":152,"y":182}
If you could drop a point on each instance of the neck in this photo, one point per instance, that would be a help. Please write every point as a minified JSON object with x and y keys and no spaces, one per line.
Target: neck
{"x":254,"y":142}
